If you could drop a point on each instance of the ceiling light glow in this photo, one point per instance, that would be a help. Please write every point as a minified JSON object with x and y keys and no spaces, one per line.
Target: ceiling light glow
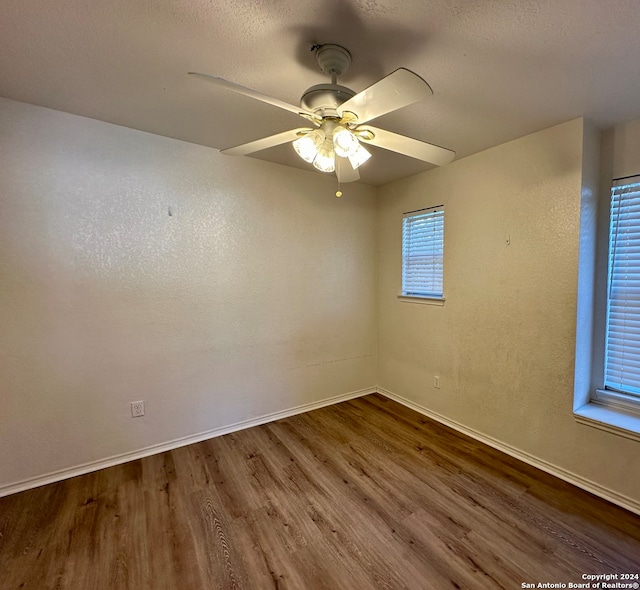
{"x":360,"y":156}
{"x":325,"y":160}
{"x":307,"y":145}
{"x":345,"y":143}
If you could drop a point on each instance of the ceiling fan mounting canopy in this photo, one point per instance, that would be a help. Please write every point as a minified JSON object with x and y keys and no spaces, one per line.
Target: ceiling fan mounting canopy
{"x":333,"y":59}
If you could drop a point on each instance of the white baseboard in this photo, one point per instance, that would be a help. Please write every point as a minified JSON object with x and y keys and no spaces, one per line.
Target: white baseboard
{"x":69,"y":472}
{"x":577,"y":480}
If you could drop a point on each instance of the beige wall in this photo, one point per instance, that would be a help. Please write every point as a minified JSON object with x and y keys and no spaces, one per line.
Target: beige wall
{"x":256,"y":295}
{"x":504,"y":341}
{"x":621,"y":150}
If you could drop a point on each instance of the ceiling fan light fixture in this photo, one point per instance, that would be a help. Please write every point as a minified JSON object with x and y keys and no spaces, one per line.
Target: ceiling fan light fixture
{"x":345,"y":142}
{"x":307,"y":146}
{"x":360,"y":156}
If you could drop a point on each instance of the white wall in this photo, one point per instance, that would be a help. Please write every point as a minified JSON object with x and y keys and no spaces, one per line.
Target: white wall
{"x":504,"y":341}
{"x":256,"y":294}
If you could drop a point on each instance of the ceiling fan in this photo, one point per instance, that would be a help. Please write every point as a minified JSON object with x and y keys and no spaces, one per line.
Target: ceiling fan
{"x":337,"y":140}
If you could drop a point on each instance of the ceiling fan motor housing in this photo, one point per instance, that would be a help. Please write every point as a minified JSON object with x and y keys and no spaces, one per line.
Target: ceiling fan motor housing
{"x":324,"y":99}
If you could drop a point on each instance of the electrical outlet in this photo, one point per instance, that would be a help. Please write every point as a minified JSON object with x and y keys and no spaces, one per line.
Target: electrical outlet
{"x":137,"y":409}
{"x":436,"y":381}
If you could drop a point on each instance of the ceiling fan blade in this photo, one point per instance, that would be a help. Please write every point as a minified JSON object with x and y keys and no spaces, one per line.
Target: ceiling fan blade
{"x":222,"y":83}
{"x":264,"y":143}
{"x":399,"y":89}
{"x":345,"y":171}
{"x":402,"y":144}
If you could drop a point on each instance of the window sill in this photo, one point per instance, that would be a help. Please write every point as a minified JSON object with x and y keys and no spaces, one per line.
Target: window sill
{"x":422,"y":300}
{"x":615,"y":420}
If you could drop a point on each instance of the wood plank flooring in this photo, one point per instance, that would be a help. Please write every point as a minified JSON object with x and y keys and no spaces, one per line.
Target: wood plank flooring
{"x":362,"y":495}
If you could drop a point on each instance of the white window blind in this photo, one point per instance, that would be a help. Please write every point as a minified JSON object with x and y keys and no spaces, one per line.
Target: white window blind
{"x":422,"y":252}
{"x":622,"y":357}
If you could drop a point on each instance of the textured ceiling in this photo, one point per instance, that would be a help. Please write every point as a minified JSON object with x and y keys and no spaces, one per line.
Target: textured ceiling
{"x":499,"y":68}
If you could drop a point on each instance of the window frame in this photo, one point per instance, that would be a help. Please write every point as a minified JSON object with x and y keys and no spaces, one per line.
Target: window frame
{"x":593,"y":405}
{"x":415,"y":296}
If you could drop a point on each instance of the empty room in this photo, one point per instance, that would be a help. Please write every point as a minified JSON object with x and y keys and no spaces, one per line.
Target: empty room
{"x":319,"y":295}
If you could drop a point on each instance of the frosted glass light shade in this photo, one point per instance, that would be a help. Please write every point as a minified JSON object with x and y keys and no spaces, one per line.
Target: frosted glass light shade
{"x":345,"y":143}
{"x":360,"y":156}
{"x":307,"y":145}
{"x":325,"y":160}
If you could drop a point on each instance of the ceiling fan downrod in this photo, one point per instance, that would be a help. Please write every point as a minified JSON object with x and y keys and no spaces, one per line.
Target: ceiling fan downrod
{"x":324,"y":99}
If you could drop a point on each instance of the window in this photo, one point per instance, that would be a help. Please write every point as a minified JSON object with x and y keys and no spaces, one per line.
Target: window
{"x":607,"y":363}
{"x":422,"y":253}
{"x":622,"y":338}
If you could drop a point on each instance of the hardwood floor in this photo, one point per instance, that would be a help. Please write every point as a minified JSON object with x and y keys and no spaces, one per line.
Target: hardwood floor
{"x":365,"y":494}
